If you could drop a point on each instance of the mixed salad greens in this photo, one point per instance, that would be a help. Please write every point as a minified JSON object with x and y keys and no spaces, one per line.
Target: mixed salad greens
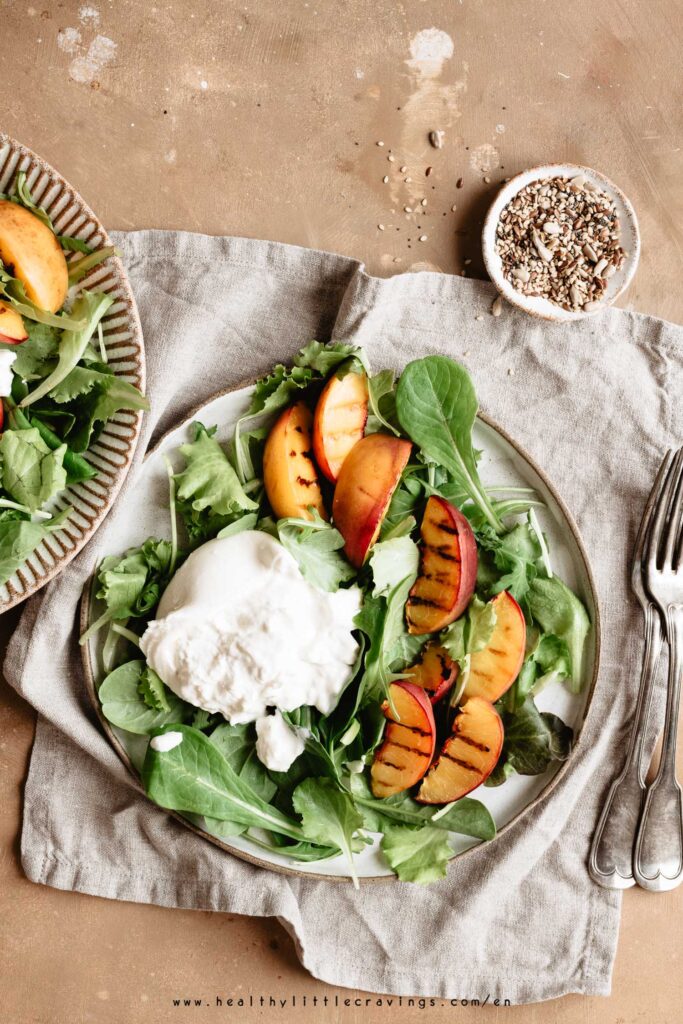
{"x":325,"y":805}
{"x":62,"y":388}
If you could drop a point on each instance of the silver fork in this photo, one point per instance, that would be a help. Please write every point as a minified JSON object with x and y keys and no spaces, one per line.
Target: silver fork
{"x":611,"y":858}
{"x":658,"y":853}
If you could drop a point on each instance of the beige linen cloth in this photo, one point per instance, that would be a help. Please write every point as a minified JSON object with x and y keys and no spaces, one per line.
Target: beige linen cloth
{"x":594,"y":403}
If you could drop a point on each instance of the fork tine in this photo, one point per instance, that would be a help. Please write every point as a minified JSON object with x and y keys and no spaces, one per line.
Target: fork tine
{"x":676,"y":514}
{"x":661,"y":513}
{"x":649,"y":511}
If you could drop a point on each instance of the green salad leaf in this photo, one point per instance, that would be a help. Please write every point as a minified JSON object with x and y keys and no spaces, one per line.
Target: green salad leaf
{"x":19,"y":537}
{"x":153,"y":691}
{"x":317,"y":548}
{"x":32,"y":472}
{"x":328,"y":816}
{"x":91,"y":307}
{"x":36,"y":356}
{"x":195,"y":777}
{"x":208,"y":480}
{"x":237,"y":744}
{"x":322,"y":358}
{"x":392,"y":561}
{"x":416,"y":855}
{"x":382,"y":403}
{"x":436,"y":406}
{"x":533,"y":741}
{"x":124,"y":705}
{"x":467,"y":635}
{"x":557,"y":610}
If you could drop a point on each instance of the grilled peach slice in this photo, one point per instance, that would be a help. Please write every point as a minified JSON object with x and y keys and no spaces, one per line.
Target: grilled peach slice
{"x":339,"y":421}
{"x":468,"y":756}
{"x":31,"y":252}
{"x":448,"y":569}
{"x":12,"y":330}
{"x":435,"y":672}
{"x":366,"y":482}
{"x":494,"y":669}
{"x":289,"y":474}
{"x":409,"y":741}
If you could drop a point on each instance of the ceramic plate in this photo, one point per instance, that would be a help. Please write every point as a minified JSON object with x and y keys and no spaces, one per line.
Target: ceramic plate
{"x":503,"y":463}
{"x":112,"y":454}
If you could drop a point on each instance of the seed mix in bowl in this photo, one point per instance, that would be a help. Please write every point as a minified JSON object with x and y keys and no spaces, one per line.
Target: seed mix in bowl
{"x":559,"y":238}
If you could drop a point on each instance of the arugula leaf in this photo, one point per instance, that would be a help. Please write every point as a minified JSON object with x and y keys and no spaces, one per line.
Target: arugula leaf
{"x":208,"y":480}
{"x":194,"y":776}
{"x":18,"y":539}
{"x":382,"y":620}
{"x":153,"y":691}
{"x":22,"y":197}
{"x":328,"y":816}
{"x":437,"y":405}
{"x":316,"y":546}
{"x":466,"y":816}
{"x":78,"y":269}
{"x":237,"y":744}
{"x":245,"y":522}
{"x":547,"y":662}
{"x":557,"y":610}
{"x":419,"y":855}
{"x":107,"y":397}
{"x":124,"y":705}
{"x":36,"y":356}
{"x":534,"y":740}
{"x":466,"y":636}
{"x":91,"y":306}
{"x":516,"y":554}
{"x":392,"y":561}
{"x":382,"y":402}
{"x":275,"y":391}
{"x":31,"y":472}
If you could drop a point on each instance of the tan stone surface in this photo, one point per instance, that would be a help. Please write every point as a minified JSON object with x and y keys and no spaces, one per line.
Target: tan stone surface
{"x":262,"y":118}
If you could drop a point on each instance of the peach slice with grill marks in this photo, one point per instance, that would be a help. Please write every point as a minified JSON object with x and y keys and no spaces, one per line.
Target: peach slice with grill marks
{"x":366,"y":482}
{"x":32,"y":253}
{"x":435,"y":672}
{"x":12,"y":330}
{"x":409,"y":741}
{"x":468,"y":756}
{"x":339,"y":421}
{"x":289,"y":473}
{"x":494,"y":669}
{"x":448,"y":569}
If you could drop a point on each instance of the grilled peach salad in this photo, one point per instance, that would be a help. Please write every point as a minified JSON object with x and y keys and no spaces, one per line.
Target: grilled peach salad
{"x":347,"y":631}
{"x":56,"y":387}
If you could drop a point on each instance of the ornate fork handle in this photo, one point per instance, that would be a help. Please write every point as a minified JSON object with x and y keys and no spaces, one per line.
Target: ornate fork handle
{"x":611,"y":857}
{"x":658,"y":854}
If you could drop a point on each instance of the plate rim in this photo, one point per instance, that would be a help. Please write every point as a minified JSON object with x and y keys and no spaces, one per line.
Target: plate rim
{"x":138,"y":340}
{"x":91,"y":687}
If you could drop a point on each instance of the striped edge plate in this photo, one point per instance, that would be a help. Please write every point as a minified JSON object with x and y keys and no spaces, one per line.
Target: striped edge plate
{"x":113,"y":452}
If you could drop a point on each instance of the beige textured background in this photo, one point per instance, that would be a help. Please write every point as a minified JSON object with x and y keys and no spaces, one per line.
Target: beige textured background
{"x":262,"y":118}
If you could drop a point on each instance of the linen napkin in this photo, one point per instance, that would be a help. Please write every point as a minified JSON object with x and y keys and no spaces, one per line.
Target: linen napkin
{"x":594,"y":403}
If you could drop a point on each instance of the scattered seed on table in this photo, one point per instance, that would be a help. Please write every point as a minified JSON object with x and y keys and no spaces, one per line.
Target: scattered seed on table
{"x":459,"y":183}
{"x":381,"y":227}
{"x":487,"y":180}
{"x":497,"y":306}
{"x":466,"y":353}
{"x":467,"y":262}
{"x":380,"y":143}
{"x":478,"y":318}
{"x":511,"y":372}
{"x":385,"y":179}
{"x":397,"y":259}
{"x":403,"y":169}
{"x":436,"y":138}
{"x":391,"y":158}
{"x":407,"y":180}
{"x":423,"y":202}
{"x":428,"y":171}
{"x":422,"y":238}
{"x":407,"y":209}
{"x":453,"y":208}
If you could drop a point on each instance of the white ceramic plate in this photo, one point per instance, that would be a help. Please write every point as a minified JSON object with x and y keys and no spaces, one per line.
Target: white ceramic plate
{"x":536,"y":304}
{"x":146,"y":514}
{"x":113,"y":451}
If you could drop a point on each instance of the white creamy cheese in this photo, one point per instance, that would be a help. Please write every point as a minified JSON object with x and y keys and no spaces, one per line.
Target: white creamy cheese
{"x":239,"y":630}
{"x":6,"y":360}
{"x":277,"y":744}
{"x":166,"y":741}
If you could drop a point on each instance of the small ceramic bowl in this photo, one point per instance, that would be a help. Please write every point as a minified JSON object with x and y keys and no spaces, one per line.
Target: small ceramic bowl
{"x":537,"y":305}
